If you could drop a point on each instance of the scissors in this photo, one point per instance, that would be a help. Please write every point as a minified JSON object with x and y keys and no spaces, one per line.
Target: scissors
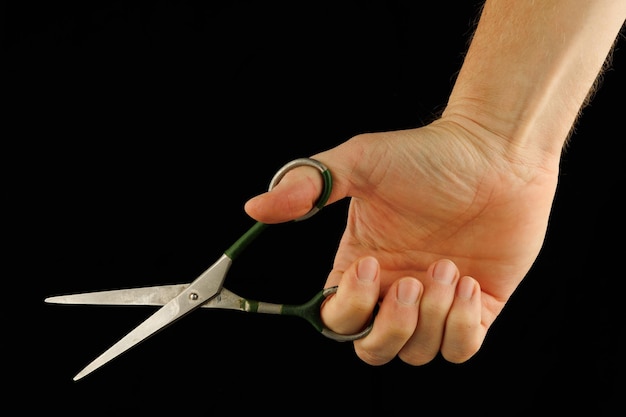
{"x":207,"y":289}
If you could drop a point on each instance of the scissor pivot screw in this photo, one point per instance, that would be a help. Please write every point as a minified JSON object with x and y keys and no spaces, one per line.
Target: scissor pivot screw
{"x":193,"y":296}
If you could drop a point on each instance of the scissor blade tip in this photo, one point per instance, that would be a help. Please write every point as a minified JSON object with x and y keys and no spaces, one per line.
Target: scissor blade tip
{"x":62,"y":299}
{"x":81,"y":374}
{"x":57,"y":299}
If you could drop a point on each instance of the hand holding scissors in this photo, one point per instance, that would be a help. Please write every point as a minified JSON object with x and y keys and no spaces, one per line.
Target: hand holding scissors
{"x":207,"y":290}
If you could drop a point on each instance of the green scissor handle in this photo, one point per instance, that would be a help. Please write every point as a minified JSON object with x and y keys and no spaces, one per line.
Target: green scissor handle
{"x":310,"y":311}
{"x":237,"y":247}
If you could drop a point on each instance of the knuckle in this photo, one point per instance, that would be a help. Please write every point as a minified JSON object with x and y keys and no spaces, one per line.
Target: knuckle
{"x":373,"y":357}
{"x":457,"y":356}
{"x":460,"y":352}
{"x":431,"y":308}
{"x":417,"y":357}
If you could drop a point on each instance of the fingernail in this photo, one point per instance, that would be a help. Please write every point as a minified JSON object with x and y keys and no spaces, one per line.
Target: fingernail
{"x":408,"y":291}
{"x":465,"y":289}
{"x":444,"y":272}
{"x":367,"y":269}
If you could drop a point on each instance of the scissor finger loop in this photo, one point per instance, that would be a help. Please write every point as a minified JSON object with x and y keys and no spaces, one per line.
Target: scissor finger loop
{"x":312,"y":163}
{"x":344,"y":337}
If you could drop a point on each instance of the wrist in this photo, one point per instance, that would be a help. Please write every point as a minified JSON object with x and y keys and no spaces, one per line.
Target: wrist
{"x":512,"y":126}
{"x":492,"y":137}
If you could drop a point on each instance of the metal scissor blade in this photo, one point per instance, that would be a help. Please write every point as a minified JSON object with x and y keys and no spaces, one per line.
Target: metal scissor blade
{"x":161,"y":318}
{"x":202,"y":289}
{"x":146,"y":296}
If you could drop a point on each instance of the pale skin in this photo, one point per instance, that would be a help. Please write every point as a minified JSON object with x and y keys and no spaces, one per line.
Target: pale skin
{"x":445,"y":220}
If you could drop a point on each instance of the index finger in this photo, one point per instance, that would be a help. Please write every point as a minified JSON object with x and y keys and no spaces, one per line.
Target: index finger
{"x":352,"y":307}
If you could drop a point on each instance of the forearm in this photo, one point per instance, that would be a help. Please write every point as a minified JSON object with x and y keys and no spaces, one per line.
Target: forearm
{"x":531,"y":65}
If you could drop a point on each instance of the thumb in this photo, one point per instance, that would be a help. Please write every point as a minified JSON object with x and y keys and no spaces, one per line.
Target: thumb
{"x":295,"y":194}
{"x":299,"y":189}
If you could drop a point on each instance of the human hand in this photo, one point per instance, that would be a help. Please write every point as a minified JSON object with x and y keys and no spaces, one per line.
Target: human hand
{"x":444,"y":222}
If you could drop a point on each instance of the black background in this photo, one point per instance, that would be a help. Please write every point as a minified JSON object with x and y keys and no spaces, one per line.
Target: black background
{"x":139,"y":129}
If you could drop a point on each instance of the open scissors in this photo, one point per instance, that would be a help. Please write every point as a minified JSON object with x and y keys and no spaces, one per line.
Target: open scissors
{"x":207,"y":289}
